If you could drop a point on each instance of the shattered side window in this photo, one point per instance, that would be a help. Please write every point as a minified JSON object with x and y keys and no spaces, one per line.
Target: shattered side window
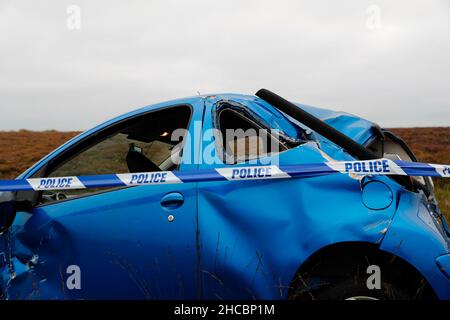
{"x":242,"y":137}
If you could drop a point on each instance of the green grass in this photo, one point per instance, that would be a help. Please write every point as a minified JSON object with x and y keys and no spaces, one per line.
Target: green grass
{"x":443,"y":195}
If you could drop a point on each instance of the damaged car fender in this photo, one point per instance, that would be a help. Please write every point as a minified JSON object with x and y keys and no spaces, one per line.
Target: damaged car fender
{"x":254,"y":237}
{"x":417,"y":236}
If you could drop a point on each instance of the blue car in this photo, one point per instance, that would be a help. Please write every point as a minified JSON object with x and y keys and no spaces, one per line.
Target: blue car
{"x":336,"y":236}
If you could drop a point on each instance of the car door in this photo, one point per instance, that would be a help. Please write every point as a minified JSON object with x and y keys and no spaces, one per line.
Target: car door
{"x":114,"y":243}
{"x":243,"y":224}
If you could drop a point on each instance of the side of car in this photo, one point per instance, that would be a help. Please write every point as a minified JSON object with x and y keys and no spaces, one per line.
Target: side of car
{"x":264,"y":239}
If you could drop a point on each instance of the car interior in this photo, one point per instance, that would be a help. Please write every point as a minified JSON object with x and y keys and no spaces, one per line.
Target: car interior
{"x":250,"y":143}
{"x":143,"y":144}
{"x":158,"y":128}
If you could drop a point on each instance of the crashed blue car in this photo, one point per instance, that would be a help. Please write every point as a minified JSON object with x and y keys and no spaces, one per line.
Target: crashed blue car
{"x":312,"y":238}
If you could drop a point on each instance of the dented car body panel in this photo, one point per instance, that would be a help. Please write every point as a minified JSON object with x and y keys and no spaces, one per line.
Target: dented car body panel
{"x":229,"y":240}
{"x":51,"y":238}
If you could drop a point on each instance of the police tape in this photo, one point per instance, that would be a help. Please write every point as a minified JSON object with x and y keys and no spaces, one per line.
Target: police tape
{"x":230,"y":173}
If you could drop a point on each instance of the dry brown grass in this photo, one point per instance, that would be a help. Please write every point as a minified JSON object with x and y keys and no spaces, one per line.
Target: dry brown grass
{"x":431,"y":145}
{"x":20,"y":149}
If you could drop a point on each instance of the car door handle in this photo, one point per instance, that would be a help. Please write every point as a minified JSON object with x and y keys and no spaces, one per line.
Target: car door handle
{"x":172,"y":200}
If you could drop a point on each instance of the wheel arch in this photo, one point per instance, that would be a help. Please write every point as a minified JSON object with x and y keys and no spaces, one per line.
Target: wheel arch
{"x":343,"y":259}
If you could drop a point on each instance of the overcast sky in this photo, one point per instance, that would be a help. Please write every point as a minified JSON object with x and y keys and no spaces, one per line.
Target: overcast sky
{"x":388,"y":61}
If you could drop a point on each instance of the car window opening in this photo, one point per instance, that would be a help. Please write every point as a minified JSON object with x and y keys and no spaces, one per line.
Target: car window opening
{"x":143,"y":144}
{"x":243,"y":138}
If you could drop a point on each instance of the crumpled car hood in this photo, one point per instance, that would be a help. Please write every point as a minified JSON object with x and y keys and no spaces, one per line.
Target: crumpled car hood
{"x":359,"y":129}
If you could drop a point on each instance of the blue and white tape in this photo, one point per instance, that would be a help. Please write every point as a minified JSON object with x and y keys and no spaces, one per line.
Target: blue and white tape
{"x":354,"y":168}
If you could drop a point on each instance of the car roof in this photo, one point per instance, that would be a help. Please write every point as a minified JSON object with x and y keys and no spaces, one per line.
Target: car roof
{"x":355,"y":127}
